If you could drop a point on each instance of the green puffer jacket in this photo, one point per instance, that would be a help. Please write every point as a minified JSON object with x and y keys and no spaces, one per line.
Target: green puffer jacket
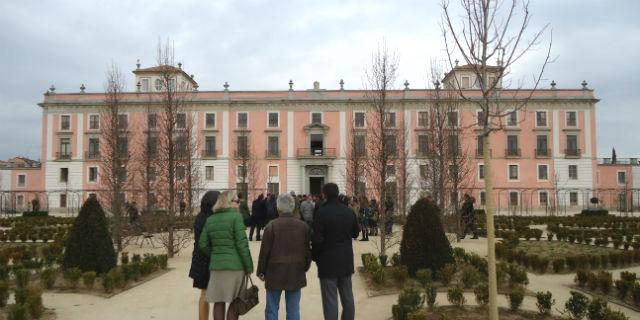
{"x":224,"y":239}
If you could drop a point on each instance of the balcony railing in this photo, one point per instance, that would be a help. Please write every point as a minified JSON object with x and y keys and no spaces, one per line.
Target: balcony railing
{"x":272,"y":154}
{"x":542,"y":153}
{"x":92,"y":155}
{"x":480,"y":154}
{"x":241,"y":154}
{"x":63,"y":156}
{"x":316,"y":152}
{"x":512,"y":153}
{"x":209,"y":154}
{"x":572,"y":153}
{"x":625,"y":161}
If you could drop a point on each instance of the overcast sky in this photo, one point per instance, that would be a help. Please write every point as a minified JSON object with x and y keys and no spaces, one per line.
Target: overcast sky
{"x":258,"y":44}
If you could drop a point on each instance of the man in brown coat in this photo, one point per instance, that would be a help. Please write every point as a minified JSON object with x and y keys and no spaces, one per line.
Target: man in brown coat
{"x":285,"y":257}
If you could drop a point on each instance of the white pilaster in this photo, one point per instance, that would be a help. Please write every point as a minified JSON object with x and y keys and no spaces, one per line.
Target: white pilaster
{"x":290,"y":134}
{"x":79,"y":135}
{"x":587,"y":134}
{"x":556,"y":135}
{"x":49,"y":146}
{"x":225,"y":134}
{"x":407,"y":133}
{"x":343,"y":133}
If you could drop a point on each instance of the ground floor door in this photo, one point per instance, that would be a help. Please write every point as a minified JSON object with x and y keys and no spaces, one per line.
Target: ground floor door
{"x":315,"y":185}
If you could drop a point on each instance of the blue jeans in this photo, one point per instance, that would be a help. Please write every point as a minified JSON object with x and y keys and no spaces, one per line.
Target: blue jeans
{"x":273,"y":304}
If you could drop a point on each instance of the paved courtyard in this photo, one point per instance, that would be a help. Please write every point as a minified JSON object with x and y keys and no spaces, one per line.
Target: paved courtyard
{"x":171,"y":296}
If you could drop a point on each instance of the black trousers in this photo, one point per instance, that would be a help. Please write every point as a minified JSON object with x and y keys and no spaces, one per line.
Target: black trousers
{"x":253,"y":227}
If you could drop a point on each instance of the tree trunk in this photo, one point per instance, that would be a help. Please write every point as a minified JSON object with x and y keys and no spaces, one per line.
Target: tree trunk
{"x":488,"y":208}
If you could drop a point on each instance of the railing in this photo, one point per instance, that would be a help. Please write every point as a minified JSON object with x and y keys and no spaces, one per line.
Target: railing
{"x":63,"y":156}
{"x":627,"y":161}
{"x":241,"y":154}
{"x":272,"y":153}
{"x":543,"y":152}
{"x":316,"y":152}
{"x":572,"y":153}
{"x":209,"y":154}
{"x":480,"y":154}
{"x":512,"y":152}
{"x":92,"y":155}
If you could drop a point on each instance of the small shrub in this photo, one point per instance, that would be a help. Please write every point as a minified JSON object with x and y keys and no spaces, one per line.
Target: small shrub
{"x":482,"y":294}
{"x":16,"y":312}
{"x":4,"y":293}
{"x":623,"y":287}
{"x":596,"y":310}
{"x":581,"y":278}
{"x":614,"y":315}
{"x":48,"y":277}
{"x":124,"y":258}
{"x":605,"y":281}
{"x":558,"y":265}
{"x":516,"y":296}
{"x":163,"y":261}
{"x":22,"y":278}
{"x":383,"y":260}
{"x":395,"y":260}
{"x":424,"y":276}
{"x":470,"y":277}
{"x":517,"y":276}
{"x":400,"y":312}
{"x":33,"y":303}
{"x":628,"y":276}
{"x":576,"y":306}
{"x":89,"y":279}
{"x":635,"y":293}
{"x":72,"y":276}
{"x":431,"y":294}
{"x":411,"y":297}
{"x":544,"y":302}
{"x":592,"y":281}
{"x":445,"y":275}
{"x":108,"y":281}
{"x":377,"y":275}
{"x":20,"y":295}
{"x":455,"y":296}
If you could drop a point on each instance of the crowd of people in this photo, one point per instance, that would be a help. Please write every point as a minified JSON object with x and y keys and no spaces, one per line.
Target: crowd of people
{"x":294,"y":230}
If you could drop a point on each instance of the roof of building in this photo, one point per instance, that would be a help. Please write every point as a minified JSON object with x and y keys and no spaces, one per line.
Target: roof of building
{"x":165,"y":68}
{"x":20,"y":162}
{"x":470,"y":67}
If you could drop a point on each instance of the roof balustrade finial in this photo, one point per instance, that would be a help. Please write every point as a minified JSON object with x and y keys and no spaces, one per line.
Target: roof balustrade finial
{"x":437,"y":84}
{"x":584,"y":85}
{"x":406,"y":84}
{"x":341,"y":84}
{"x":553,"y":85}
{"x":82,"y":87}
{"x":226,"y":86}
{"x":138,"y":64}
{"x":52,"y":89}
{"x":456,"y":61}
{"x":290,"y":84}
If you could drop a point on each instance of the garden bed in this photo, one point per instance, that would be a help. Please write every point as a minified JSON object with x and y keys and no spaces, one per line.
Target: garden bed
{"x":478,"y":313}
{"x":624,"y":291}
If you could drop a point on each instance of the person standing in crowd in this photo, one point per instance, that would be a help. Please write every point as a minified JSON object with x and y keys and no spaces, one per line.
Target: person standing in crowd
{"x":199,"y":270}
{"x":272,"y":210}
{"x":284,"y":259}
{"x":224,"y":238}
{"x":468,"y":217}
{"x":334,"y":228}
{"x":306,"y":210}
{"x":364,"y":218}
{"x":373,"y":217}
{"x":258,"y":216}
{"x":388,"y":215}
{"x":243,"y":207}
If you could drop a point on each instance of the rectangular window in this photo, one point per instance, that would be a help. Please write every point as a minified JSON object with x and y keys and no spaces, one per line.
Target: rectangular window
{"x":359,"y":145}
{"x":483,"y":198}
{"x":64,"y":174}
{"x":172,"y":84}
{"x":273,"y":188}
{"x":453,"y":145}
{"x":513,"y":198}
{"x":123,"y":147}
{"x":573,"y":198}
{"x":180,"y":172}
{"x":316,"y":118}
{"x":512,"y":145}
{"x":423,"y":119}
{"x":622,"y":177}
{"x":20,"y":202}
{"x":541,"y":118}
{"x":123,"y":122}
{"x":452,"y":117}
{"x":273,"y":146}
{"x":390,"y":120}
{"x":145,"y":85}
{"x":273,"y":171}
{"x":391,"y":171}
{"x":358,"y":120}
{"x":152,"y":121}
{"x":243,"y":119}
{"x":273,"y":120}
{"x":480,"y":146}
{"x":513,"y":172}
{"x":151,"y":173}
{"x":481,"y":120}
{"x":543,"y":172}
{"x":453,"y":172}
{"x":63,"y":201}
{"x":122,"y":174}
{"x":208,"y":173}
{"x":423,"y":171}
{"x":543,"y":198}
{"x":94,"y":148}
{"x":210,"y":146}
{"x":152,"y":147}
{"x":210,"y":120}
{"x":93,"y":174}
{"x":22,"y":180}
{"x":94,"y":122}
{"x":241,"y":172}
{"x":65,"y":122}
{"x":542,"y":146}
{"x":573,"y":172}
{"x":572,"y":119}
{"x":572,"y":145}
{"x":423,"y":145}
{"x":481,"y":171}
{"x":390,"y":144}
{"x":181,"y":120}
{"x":65,"y":149}
{"x":512,"y":119}
{"x":242,"y":146}
{"x":466,"y":82}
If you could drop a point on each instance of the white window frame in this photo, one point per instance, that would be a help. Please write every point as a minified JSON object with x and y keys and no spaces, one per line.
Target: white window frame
{"x":158,"y":82}
{"x":541,"y":192}
{"x":480,"y":200}
{"x":577,"y":199}
{"x":478,"y":118}
{"x":311,"y":117}
{"x":268,"y":114}
{"x":238,"y":120}
{"x":535,"y":120}
{"x":418,"y":118}
{"x":480,"y":178}
{"x":213,"y":173}
{"x":538,"y":171}
{"x":185,"y":121}
{"x":215,"y":120}
{"x":509,"y":173}
{"x":508,"y":117}
{"x":70,"y":120}
{"x":275,"y":179}
{"x":566,"y":119}
{"x":89,"y":121}
{"x":462,"y":86}
{"x":126,"y":114}
{"x":149,"y":84}
{"x":364,"y":119}
{"x":89,"y":174}
{"x":569,"y":172}
{"x":457,"y":118}
{"x":20,"y":202}
{"x":509,"y":198}
{"x":395,"y":119}
{"x":618,"y":177}
{"x":18,"y":180}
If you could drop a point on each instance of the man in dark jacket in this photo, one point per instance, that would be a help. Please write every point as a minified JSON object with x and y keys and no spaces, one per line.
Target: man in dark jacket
{"x":258,"y":216}
{"x":334,"y":227}
{"x":285,"y":257}
{"x":468,"y":217}
{"x":272,"y":210}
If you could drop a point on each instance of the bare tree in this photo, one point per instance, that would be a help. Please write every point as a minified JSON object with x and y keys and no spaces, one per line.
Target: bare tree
{"x":381,"y":131}
{"x":248,"y":171}
{"x":114,"y":152}
{"x":148,"y":147}
{"x":356,"y":157}
{"x":486,"y":30}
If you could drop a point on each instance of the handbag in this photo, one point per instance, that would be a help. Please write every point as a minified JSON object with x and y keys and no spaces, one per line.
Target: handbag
{"x":247,"y":297}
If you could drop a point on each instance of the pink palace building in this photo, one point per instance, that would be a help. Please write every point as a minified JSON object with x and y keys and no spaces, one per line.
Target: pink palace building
{"x":545,"y":157}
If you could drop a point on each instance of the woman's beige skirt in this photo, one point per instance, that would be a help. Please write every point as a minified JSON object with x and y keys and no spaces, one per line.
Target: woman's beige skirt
{"x":224,"y":285}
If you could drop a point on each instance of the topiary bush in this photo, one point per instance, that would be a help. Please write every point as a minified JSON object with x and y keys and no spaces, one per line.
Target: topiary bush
{"x":470,"y":277}
{"x":4,"y":294}
{"x":430,"y":294}
{"x":515,"y":297}
{"x":424,"y":276}
{"x":455,"y":296}
{"x":48,"y":277}
{"x":72,"y":276}
{"x":89,"y":279}
{"x":89,"y":246}
{"x":424,"y":244}
{"x":16,"y":312}
{"x":33,"y":304}
{"x":446,"y":273}
{"x":400,"y":274}
{"x":576,"y":306}
{"x":597,"y":309}
{"x":482,"y":294}
{"x":544,"y":302}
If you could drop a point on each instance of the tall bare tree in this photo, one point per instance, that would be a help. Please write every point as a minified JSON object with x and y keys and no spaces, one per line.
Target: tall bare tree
{"x":114,"y":151}
{"x":382,"y":139}
{"x":248,"y":171}
{"x":483,"y":31}
{"x":356,"y":157}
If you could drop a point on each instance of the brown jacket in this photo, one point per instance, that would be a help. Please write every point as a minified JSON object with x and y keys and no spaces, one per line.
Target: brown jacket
{"x":285,"y":255}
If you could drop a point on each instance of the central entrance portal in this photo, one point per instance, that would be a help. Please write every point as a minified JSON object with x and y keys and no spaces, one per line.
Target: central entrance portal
{"x":315,"y":185}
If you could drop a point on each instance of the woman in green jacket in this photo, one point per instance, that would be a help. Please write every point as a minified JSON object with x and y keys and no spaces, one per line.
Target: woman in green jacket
{"x":224,"y":238}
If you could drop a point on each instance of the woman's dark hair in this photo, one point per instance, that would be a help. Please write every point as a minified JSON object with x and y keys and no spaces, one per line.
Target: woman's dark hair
{"x":208,"y":201}
{"x":330,"y":190}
